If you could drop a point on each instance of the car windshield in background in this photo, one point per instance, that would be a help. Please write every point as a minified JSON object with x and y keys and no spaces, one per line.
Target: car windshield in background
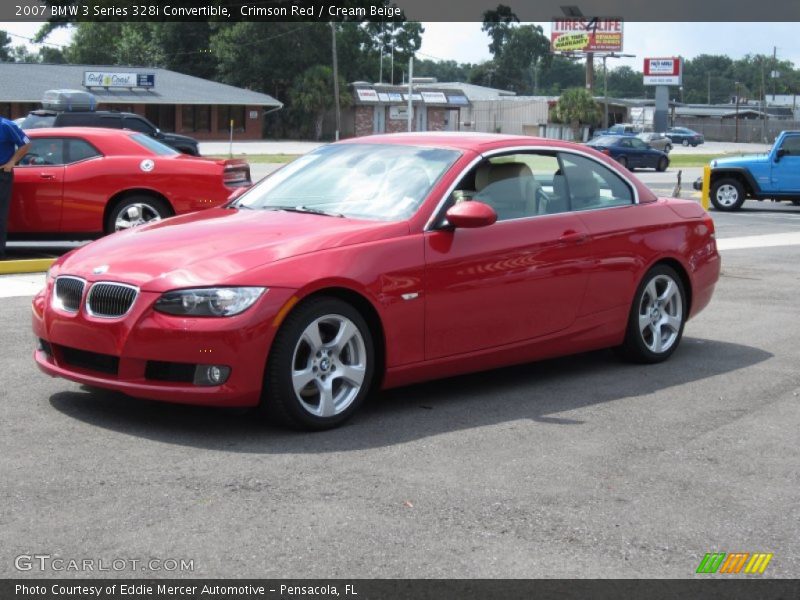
{"x":362,"y":181}
{"x":38,"y":121}
{"x":606,"y":140}
{"x":153,"y":145}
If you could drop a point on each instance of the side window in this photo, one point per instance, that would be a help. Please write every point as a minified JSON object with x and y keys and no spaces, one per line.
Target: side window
{"x":625,"y":143}
{"x":638,"y":144}
{"x":516,"y":186}
{"x":44,"y":152}
{"x":111,"y":121}
{"x":78,"y":150}
{"x":137,"y":125}
{"x":791,"y":145}
{"x":591,"y":185}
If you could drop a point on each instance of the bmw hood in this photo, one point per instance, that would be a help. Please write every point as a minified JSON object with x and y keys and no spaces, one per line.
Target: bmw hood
{"x":212,"y":247}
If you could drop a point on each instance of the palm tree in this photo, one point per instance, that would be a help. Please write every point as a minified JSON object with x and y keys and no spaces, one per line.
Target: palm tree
{"x":575,"y":107}
{"x":312,"y":93}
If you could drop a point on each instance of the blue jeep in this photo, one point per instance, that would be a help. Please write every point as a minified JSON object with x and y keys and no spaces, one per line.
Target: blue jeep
{"x":772,"y":176}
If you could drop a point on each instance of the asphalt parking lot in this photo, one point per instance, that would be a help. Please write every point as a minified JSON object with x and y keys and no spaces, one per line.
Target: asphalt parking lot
{"x":575,"y":467}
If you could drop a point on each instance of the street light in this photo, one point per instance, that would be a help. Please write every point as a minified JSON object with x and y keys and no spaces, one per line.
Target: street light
{"x":605,"y":83}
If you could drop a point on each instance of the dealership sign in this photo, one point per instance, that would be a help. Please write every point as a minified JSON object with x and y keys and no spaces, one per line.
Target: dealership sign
{"x":663,"y":71}
{"x":586,"y":35}
{"x":109,"y":79}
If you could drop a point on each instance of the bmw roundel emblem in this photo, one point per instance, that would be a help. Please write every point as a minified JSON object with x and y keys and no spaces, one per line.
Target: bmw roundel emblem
{"x":100,"y":270}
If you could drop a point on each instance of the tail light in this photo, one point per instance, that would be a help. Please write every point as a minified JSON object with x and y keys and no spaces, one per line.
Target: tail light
{"x":236,"y":175}
{"x":606,"y":151}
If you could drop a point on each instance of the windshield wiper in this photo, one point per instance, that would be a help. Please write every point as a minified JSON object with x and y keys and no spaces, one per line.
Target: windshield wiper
{"x":306,"y":209}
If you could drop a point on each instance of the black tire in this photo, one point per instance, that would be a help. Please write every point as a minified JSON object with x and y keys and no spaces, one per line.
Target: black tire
{"x":280,"y":402}
{"x":662,"y":165}
{"x":623,"y":162}
{"x":727,"y":194}
{"x":640,"y":344}
{"x":795,"y":202}
{"x":188,"y":150}
{"x":151,"y":209}
{"x":685,"y":142}
{"x":668,"y":148}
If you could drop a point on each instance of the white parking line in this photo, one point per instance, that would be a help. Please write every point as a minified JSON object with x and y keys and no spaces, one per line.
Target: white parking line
{"x":769,"y":240}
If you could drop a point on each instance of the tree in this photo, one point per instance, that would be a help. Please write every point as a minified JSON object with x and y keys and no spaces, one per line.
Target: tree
{"x":577,"y":107}
{"x":624,"y":82}
{"x":498,"y":24}
{"x":312,"y":93}
{"x":562,"y":73}
{"x":5,"y":47}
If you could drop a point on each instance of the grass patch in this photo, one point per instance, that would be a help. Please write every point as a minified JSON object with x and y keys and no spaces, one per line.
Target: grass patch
{"x":697,"y":160}
{"x":262,"y":158}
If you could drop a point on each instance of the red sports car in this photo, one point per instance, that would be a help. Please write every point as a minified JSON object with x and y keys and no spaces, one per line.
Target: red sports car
{"x":80,"y":182}
{"x":378,"y":262}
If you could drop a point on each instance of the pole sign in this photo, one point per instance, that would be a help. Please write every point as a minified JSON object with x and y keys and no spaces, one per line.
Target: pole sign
{"x":586,"y":35}
{"x":663,"y":71}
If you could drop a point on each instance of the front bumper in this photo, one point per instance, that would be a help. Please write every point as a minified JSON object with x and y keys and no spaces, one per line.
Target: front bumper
{"x":120,"y":354}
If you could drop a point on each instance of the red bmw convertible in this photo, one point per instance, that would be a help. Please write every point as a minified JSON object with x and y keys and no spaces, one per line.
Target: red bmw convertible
{"x":378,"y":262}
{"x":78,"y":182}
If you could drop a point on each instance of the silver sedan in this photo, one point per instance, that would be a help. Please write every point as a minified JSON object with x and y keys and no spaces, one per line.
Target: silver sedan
{"x":656,"y":140}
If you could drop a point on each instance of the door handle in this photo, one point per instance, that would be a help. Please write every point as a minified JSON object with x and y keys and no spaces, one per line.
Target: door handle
{"x":573,"y":237}
{"x":47,"y":176}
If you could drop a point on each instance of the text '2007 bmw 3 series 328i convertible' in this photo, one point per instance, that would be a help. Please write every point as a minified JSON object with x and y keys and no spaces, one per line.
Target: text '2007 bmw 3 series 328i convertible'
{"x":378,"y":262}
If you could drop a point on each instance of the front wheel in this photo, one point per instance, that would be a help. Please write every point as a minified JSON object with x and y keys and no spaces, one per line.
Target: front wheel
{"x":662,"y":165}
{"x":685,"y":142}
{"x":320,"y":367}
{"x":727,"y":194}
{"x":668,"y":148}
{"x":657,"y":317}
{"x":136,"y":210}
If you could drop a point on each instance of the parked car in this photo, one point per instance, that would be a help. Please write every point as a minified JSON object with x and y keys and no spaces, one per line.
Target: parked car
{"x":772,"y":176}
{"x":81,"y":182}
{"x":110,"y":119}
{"x":631,"y":152}
{"x":685,"y":136}
{"x":626,"y":129}
{"x":659,"y":141}
{"x":378,"y":262}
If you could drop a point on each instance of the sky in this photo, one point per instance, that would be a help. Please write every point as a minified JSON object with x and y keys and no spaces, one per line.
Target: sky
{"x":465,"y":42}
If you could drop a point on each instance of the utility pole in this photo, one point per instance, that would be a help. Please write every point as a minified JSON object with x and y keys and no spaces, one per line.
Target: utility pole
{"x":410,"y":90}
{"x":708,"y":81}
{"x":736,"y":132}
{"x":336,"y":81}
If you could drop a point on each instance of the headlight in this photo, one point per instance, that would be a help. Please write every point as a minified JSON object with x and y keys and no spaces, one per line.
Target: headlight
{"x":209,"y":302}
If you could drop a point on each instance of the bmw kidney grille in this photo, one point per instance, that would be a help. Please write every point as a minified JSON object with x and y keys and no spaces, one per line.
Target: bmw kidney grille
{"x":110,"y":300}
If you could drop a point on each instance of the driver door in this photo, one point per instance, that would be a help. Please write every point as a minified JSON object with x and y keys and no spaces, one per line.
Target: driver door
{"x":37,"y":193}
{"x":786,"y":172}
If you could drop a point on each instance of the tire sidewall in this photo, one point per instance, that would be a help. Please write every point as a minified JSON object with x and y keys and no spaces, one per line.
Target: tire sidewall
{"x":623,"y":162}
{"x":662,"y":165}
{"x":278,"y":397}
{"x":634,"y":345}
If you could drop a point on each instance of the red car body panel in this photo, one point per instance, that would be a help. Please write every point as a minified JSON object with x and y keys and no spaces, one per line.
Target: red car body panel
{"x":446,"y":302}
{"x":74,"y":198}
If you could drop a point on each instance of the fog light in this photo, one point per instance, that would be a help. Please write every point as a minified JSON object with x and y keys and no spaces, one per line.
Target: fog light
{"x":211,"y":374}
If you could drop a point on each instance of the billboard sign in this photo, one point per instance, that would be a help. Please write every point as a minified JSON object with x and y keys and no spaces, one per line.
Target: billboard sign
{"x":663,"y":71}
{"x":586,"y":35}
{"x":109,"y":79}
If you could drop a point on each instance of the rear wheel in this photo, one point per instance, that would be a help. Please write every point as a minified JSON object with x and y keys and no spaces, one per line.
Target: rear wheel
{"x":136,"y":210}
{"x":727,"y":194}
{"x":685,"y":142}
{"x":796,"y":202}
{"x":320,"y":367}
{"x":657,"y":317}
{"x":663,"y":163}
{"x":623,"y":161}
{"x":668,"y":148}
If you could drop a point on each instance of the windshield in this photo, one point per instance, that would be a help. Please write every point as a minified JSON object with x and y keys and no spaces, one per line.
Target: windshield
{"x":153,"y":145}
{"x":362,"y":181}
{"x":34,"y":121}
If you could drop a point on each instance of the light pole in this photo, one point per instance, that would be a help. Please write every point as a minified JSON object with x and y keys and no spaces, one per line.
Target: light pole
{"x":605,"y":83}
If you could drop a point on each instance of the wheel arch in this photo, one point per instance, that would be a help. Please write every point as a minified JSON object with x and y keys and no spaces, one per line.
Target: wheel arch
{"x":679,"y":268}
{"x":744,"y":177}
{"x":118,"y":197}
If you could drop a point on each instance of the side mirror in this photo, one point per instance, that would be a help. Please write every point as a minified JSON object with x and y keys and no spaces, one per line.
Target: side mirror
{"x":779,"y":154}
{"x":471,"y":214}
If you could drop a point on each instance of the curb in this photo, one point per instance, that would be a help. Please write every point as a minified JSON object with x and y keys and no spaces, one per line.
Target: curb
{"x":32,"y":265}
